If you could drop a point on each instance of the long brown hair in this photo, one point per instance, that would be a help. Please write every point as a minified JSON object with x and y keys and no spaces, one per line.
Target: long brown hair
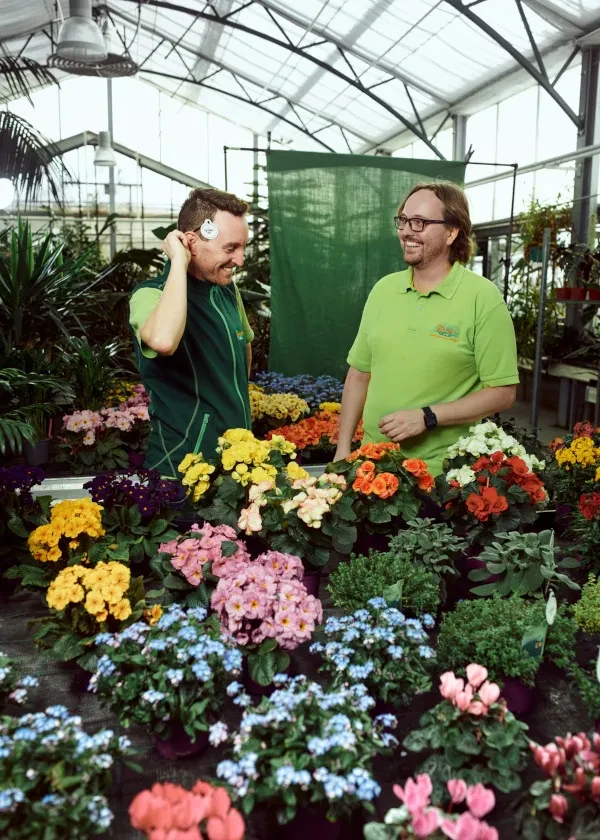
{"x":456,"y":215}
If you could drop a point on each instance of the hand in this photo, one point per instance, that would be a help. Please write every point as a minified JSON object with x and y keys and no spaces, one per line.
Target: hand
{"x":403,"y":424}
{"x":341,"y":452}
{"x":176,"y":247}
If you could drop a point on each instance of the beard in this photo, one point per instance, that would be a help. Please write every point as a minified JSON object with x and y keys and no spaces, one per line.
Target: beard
{"x":425,"y":254}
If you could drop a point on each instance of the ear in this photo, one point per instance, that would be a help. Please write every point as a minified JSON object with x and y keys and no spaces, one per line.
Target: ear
{"x":452,"y":236}
{"x":192,"y":241}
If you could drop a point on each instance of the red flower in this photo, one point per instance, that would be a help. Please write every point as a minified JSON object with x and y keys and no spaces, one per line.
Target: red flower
{"x":589,"y":505}
{"x":518,"y":465}
{"x":496,"y":503}
{"x":476,"y":506}
{"x":480,"y":464}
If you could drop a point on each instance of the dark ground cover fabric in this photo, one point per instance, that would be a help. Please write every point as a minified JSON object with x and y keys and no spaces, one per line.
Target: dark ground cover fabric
{"x":558,"y":711}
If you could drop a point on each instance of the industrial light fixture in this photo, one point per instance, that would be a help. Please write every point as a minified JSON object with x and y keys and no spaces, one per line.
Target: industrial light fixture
{"x":80,"y":38}
{"x":105,"y":155}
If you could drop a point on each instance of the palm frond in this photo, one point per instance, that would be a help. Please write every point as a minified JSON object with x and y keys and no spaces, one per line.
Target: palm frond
{"x":13,"y":433}
{"x":29,"y":159}
{"x":17,"y":72}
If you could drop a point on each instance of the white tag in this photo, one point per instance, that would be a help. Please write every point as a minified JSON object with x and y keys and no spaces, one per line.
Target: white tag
{"x":209,"y":229}
{"x":598,"y":667}
{"x":551,"y":607}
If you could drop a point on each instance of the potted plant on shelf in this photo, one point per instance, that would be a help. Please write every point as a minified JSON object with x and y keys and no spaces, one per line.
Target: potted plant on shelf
{"x":471,"y":735}
{"x":269,"y":411}
{"x":509,"y":637}
{"x":190,"y":565}
{"x":576,"y":467}
{"x":20,"y":512}
{"x":380,"y":647}
{"x":55,"y":776}
{"x":170,"y":677}
{"x":316,"y":437}
{"x":489,"y":484}
{"x":306,"y":754}
{"x":418,"y":817}
{"x":203,"y":811}
{"x":387,"y":574}
{"x":264,"y":607}
{"x":566,"y":802}
{"x":522,"y":564}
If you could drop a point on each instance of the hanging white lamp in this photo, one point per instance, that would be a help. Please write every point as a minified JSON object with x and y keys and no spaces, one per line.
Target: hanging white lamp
{"x":80,"y":38}
{"x":105,"y":155}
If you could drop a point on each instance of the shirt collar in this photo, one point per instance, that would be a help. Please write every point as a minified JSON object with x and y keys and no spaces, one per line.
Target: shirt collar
{"x":446,"y":288}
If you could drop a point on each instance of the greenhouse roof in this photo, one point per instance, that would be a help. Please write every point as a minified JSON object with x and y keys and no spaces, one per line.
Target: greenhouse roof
{"x":339,"y":75}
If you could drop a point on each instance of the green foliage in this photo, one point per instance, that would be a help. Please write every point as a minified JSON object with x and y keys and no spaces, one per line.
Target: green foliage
{"x":587,"y":610}
{"x":177,"y":587}
{"x":526,"y":564}
{"x":490,"y":632}
{"x":109,"y":453}
{"x":490,"y":749}
{"x":93,"y":370}
{"x":128,"y":538}
{"x":586,"y":684}
{"x":430,"y":544}
{"x":357,"y":580}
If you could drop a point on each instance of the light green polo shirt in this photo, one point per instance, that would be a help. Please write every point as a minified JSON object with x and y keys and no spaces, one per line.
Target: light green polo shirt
{"x":426,"y":349}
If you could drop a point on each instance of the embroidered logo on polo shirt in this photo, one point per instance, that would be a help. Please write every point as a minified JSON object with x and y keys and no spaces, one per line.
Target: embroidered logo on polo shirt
{"x":239,"y":334}
{"x":446,"y":331}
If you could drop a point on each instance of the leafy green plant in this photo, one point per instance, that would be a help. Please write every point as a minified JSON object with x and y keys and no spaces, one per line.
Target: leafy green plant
{"x":491,"y":631}
{"x":586,"y":684}
{"x":587,"y":610}
{"x":430,"y":544}
{"x":93,"y":370}
{"x":360,"y":578}
{"x":173,"y":674}
{"x":471,"y":735}
{"x":525,"y":564}
{"x":20,"y":512}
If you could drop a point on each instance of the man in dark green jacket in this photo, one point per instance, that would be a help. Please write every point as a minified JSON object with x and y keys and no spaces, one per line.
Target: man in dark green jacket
{"x":192,"y":336}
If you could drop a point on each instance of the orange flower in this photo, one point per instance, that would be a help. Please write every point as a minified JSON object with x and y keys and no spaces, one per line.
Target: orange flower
{"x":496,"y":502}
{"x":415,"y":466}
{"x":363,"y":485}
{"x":426,"y":482}
{"x":481,"y":464}
{"x":518,"y":465}
{"x":476,"y":506}
{"x":373,"y":451}
{"x":366,"y":469}
{"x":378,"y":486}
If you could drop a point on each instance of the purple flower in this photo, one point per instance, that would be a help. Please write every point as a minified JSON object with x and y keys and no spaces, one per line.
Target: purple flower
{"x":152,"y":495}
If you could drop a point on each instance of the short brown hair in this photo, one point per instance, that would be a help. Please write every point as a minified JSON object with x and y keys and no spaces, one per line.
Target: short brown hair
{"x":456,"y":214}
{"x":202,"y":204}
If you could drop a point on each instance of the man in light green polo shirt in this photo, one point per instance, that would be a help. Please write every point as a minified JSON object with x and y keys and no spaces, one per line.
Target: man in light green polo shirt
{"x":435,"y":350}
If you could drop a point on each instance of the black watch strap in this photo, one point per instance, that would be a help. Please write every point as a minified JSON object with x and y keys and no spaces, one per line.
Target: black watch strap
{"x":430,"y":418}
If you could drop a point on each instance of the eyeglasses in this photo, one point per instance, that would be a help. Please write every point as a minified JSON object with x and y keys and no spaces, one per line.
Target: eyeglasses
{"x":416,"y":224}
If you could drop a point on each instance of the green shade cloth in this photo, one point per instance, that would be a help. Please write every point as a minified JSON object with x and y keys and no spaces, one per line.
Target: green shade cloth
{"x":331,"y":222}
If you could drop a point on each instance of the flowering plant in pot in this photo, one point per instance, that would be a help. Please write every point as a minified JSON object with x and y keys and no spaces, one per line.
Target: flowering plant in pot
{"x":470,"y":735}
{"x":315,"y":390}
{"x":566,"y":803}
{"x":383,"y":490}
{"x":510,"y":637}
{"x":576,"y":467}
{"x":136,"y":514}
{"x":264,"y":607}
{"x":584,"y":529}
{"x":307,"y":748}
{"x":73,"y":529}
{"x":83,"y":601}
{"x":171,"y":677}
{"x":486,"y":490}
{"x":87,"y":443}
{"x":316,"y":437}
{"x":54,"y":776}
{"x":13,"y":688}
{"x":380,"y":647}
{"x":20,"y":512}
{"x":269,"y":411}
{"x":413,"y":588}
{"x":418,"y":817}
{"x":190,"y":565}
{"x":202,"y":812}
{"x":522,"y":564}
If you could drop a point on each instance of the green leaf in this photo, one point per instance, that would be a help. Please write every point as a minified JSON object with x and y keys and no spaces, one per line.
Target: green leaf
{"x":199,"y":598}
{"x":569,"y":563}
{"x":34,"y":576}
{"x":174,"y":582}
{"x":485,"y":589}
{"x":67,"y":647}
{"x":228,"y":548}
{"x":417,"y":740}
{"x":17,"y":527}
{"x":261,"y":667}
{"x":376,"y":831}
{"x":158,"y":527}
{"x":479,"y":574}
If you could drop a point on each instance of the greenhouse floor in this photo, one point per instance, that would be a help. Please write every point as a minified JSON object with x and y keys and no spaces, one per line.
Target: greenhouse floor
{"x":558,"y":711}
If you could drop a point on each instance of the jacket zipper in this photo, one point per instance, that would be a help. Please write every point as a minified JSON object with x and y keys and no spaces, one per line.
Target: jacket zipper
{"x":215,"y":306}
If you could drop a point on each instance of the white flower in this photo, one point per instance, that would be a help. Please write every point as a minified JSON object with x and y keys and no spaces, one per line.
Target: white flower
{"x":463,"y":476}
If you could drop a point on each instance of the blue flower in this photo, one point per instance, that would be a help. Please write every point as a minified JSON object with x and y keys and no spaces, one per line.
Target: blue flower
{"x":361,"y":672}
{"x":428,"y":620}
{"x":174,"y":675}
{"x":151,"y":696}
{"x":426,"y":652}
{"x":218,"y":733}
{"x":202,"y":671}
{"x":396,"y":651}
{"x":10,"y":798}
{"x":335,"y":786}
{"x":234,"y":688}
{"x":386,"y":720}
{"x":378,"y":603}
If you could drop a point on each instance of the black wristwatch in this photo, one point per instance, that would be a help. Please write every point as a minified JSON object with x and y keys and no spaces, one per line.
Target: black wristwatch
{"x":430,"y":419}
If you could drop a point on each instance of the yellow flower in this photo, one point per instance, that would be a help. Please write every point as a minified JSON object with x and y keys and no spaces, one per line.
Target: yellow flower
{"x":263,"y":473}
{"x":236,"y":436}
{"x":199,"y":490}
{"x":112,"y":594}
{"x":187,"y":462}
{"x":57,"y":599}
{"x":73,"y":543}
{"x":295,"y":471}
{"x":332,"y":407}
{"x":153,"y":614}
{"x":101,"y":616}
{"x":122,"y":610}
{"x":76,"y":593}
{"x":94,"y":602}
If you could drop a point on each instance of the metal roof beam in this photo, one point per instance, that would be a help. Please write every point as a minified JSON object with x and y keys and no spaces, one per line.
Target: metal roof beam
{"x":524,"y":62}
{"x":555,"y":17}
{"x":198,"y":55}
{"x":211,"y":18}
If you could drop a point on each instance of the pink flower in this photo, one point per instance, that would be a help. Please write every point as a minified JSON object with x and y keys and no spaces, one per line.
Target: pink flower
{"x":489,"y":693}
{"x":457,"y":788}
{"x":450,"y":685}
{"x":424,"y":823}
{"x":558,"y":807}
{"x":477,"y":708}
{"x":480,"y":801}
{"x":250,"y":520}
{"x":595,"y":787}
{"x":476,"y":674}
{"x":486,"y":832}
{"x":549,"y":758}
{"x":466,"y":827}
{"x":415,"y":794}
{"x":463,"y":699}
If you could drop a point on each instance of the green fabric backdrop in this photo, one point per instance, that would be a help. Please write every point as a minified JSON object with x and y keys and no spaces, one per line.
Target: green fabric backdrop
{"x":332,"y":238}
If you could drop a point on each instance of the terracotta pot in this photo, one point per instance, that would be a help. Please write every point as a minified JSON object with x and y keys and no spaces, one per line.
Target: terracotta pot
{"x":310,"y":824}
{"x":564,"y":293}
{"x":179,"y":744}
{"x":520,"y":698}
{"x":594,"y":294}
{"x":312,"y":581}
{"x":578,"y":293}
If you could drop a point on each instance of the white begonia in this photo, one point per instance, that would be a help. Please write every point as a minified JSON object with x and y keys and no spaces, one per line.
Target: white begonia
{"x":477,"y":446}
{"x":463,"y":476}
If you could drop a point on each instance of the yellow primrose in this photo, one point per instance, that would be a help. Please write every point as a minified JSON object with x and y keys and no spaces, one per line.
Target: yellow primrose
{"x":94,"y":602}
{"x":153,"y":614}
{"x":122,"y":610}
